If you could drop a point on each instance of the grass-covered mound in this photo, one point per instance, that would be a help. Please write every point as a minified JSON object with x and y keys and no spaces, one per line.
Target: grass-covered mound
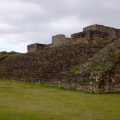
{"x":4,"y":56}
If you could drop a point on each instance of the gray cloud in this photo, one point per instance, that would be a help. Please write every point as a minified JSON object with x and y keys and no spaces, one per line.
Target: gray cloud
{"x":23,"y":22}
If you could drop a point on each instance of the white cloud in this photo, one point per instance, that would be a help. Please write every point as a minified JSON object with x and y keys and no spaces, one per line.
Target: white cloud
{"x":24,"y":22}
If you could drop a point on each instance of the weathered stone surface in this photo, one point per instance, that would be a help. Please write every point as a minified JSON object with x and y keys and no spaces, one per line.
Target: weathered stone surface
{"x":47,"y":64}
{"x":113,"y":32}
{"x":102,"y":70}
{"x":90,"y":37}
{"x":35,"y":47}
{"x":94,"y":34}
{"x":94,"y":53}
{"x":59,"y":40}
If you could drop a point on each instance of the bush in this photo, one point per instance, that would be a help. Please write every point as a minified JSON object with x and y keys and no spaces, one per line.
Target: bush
{"x":74,"y":70}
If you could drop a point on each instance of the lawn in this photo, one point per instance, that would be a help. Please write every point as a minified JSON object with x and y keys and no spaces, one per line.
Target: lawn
{"x":25,"y":101}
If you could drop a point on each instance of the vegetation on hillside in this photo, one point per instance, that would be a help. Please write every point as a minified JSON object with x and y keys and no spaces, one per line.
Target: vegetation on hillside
{"x":101,"y":62}
{"x":4,"y":56}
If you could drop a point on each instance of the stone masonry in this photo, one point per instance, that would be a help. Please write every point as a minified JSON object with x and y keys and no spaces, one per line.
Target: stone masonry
{"x":94,"y":34}
{"x":48,"y":64}
{"x":35,"y":47}
{"x":100,"y":74}
{"x":60,"y":39}
{"x":90,"y":37}
{"x":112,"y":32}
{"x":52,"y":64}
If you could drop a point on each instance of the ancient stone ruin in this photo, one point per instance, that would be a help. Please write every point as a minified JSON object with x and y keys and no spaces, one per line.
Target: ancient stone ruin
{"x":94,"y":34}
{"x":87,"y":61}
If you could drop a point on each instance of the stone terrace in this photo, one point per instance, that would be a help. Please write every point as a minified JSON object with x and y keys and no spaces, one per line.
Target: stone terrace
{"x":47,"y":64}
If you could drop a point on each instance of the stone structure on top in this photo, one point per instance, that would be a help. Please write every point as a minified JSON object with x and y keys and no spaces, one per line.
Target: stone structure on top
{"x":60,"y":39}
{"x":35,"y":47}
{"x":94,"y":34}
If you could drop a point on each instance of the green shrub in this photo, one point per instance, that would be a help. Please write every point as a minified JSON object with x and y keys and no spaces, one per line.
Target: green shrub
{"x":74,"y":70}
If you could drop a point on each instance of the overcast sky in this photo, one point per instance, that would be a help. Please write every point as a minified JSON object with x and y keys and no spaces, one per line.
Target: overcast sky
{"x":24,"y":22}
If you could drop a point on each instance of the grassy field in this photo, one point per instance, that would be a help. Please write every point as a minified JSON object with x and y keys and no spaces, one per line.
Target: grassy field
{"x":25,"y":101}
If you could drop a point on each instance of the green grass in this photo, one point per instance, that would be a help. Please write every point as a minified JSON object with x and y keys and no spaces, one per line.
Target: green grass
{"x":25,"y":101}
{"x":6,"y":56}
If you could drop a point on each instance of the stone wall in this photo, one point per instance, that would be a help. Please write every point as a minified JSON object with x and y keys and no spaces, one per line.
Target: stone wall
{"x":47,"y":64}
{"x":90,"y":37}
{"x":90,"y":87}
{"x":60,"y":39}
{"x":81,"y":37}
{"x":113,"y":32}
{"x":110,"y":81}
{"x":57,"y":40}
{"x":99,"y":74}
{"x":103,"y":87}
{"x":35,"y":47}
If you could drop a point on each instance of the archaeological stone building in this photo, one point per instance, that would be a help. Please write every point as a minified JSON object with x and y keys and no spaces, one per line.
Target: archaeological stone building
{"x":94,"y":34}
{"x":87,"y":61}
